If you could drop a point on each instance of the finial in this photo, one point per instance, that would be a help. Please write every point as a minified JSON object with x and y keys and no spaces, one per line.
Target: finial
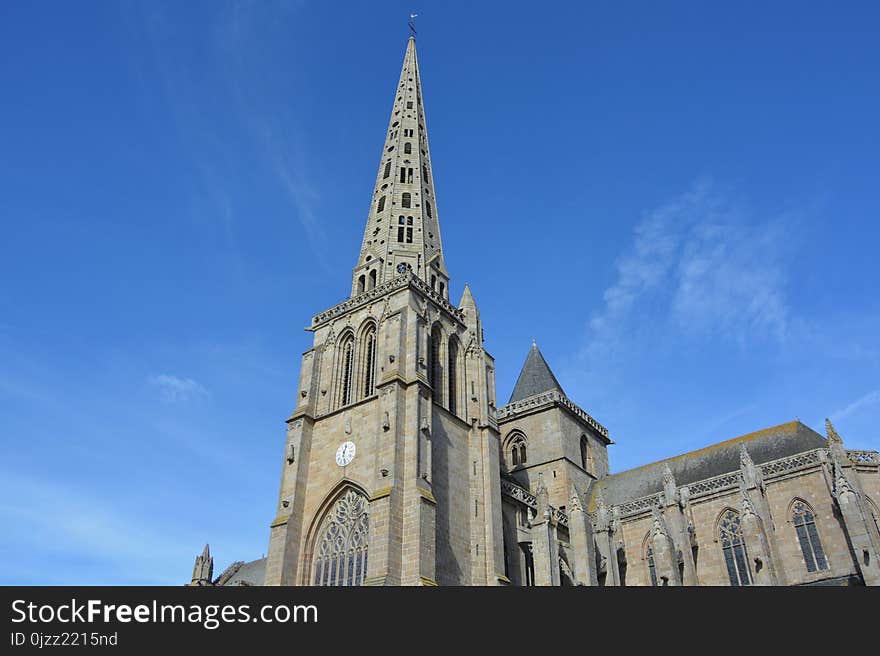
{"x":412,"y":26}
{"x":833,"y":436}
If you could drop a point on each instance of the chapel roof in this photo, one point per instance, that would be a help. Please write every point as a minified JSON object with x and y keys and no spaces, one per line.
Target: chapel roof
{"x":763,"y":446}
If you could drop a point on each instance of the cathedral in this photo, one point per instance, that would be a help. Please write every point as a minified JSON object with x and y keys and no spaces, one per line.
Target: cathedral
{"x":399,"y":467}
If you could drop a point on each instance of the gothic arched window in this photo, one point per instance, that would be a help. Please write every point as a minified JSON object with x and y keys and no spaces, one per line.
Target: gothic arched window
{"x":435,"y":374}
{"x":344,"y":370}
{"x":372,"y":279}
{"x":342,"y":542}
{"x":734,"y":548}
{"x":406,"y":200}
{"x":368,"y":360}
{"x":585,"y":453}
{"x":452,"y":373}
{"x":804,"y":521}
{"x":381,"y":205}
{"x":361,"y":283}
{"x":428,"y":209}
{"x":387,"y":169}
{"x":407,"y":148}
{"x":517,"y":448}
{"x":649,"y":557}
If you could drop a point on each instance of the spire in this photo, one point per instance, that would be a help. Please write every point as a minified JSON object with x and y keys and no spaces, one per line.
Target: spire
{"x":535,"y":377}
{"x":203,"y":569}
{"x":403,"y":227}
{"x":467,"y":299}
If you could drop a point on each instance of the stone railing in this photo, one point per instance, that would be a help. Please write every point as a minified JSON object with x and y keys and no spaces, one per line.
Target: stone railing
{"x":522,"y":495}
{"x":639,"y":505}
{"x":552,"y":396}
{"x":730,"y":480}
{"x":401,"y":281}
{"x":361,"y":299}
{"x":425,"y":288}
{"x":863,"y":457}
{"x":791,"y":463}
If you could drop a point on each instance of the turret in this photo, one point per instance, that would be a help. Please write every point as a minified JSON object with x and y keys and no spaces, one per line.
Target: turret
{"x":203,"y":570}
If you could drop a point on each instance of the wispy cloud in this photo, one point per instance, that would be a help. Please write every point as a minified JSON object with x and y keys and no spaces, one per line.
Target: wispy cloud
{"x":58,"y":522}
{"x":870,"y":399}
{"x":701,"y":266}
{"x":175,"y":389}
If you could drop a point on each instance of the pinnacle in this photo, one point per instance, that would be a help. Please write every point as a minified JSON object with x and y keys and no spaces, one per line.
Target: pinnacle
{"x":467,"y":299}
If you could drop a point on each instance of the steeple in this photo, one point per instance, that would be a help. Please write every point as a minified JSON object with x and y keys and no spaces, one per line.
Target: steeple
{"x":535,"y":377}
{"x":403,"y":227}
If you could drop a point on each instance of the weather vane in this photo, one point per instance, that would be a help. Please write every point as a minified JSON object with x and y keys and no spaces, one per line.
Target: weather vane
{"x":412,"y":24}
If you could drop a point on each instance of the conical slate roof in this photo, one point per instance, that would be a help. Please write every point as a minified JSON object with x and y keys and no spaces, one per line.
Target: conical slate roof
{"x":535,"y":377}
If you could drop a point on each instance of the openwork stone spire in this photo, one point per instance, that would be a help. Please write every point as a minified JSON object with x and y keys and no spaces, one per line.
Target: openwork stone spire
{"x":403,"y":228}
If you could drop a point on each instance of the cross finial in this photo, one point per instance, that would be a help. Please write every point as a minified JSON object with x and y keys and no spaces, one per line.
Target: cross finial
{"x":412,"y":25}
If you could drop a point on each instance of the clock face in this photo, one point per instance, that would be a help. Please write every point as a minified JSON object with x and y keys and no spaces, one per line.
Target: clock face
{"x":345,"y":453}
{"x":401,"y":267}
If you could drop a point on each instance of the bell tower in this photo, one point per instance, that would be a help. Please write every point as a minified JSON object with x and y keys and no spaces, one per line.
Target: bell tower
{"x":390,"y":466}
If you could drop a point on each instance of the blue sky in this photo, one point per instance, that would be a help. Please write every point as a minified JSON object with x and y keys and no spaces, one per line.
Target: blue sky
{"x":678,"y":202}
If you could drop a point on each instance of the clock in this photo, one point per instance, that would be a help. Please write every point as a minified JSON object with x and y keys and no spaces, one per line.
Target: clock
{"x":345,"y":453}
{"x":401,"y":268}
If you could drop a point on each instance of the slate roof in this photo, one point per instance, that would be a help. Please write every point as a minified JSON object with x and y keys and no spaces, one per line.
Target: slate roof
{"x":535,"y":377}
{"x":763,"y":446}
{"x":252,"y":573}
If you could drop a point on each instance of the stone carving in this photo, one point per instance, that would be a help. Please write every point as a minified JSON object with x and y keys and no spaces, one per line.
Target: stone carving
{"x":348,"y":425}
{"x":386,"y":422}
{"x":835,"y":443}
{"x":748,"y":508}
{"x":843,"y":489}
{"x":669,"y":488}
{"x":832,"y":433}
{"x":383,"y":314}
{"x":751,"y":474}
{"x":658,"y":526}
{"x":574,"y":503}
{"x":542,"y":497}
{"x":291,"y":454}
{"x":685,"y":496}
